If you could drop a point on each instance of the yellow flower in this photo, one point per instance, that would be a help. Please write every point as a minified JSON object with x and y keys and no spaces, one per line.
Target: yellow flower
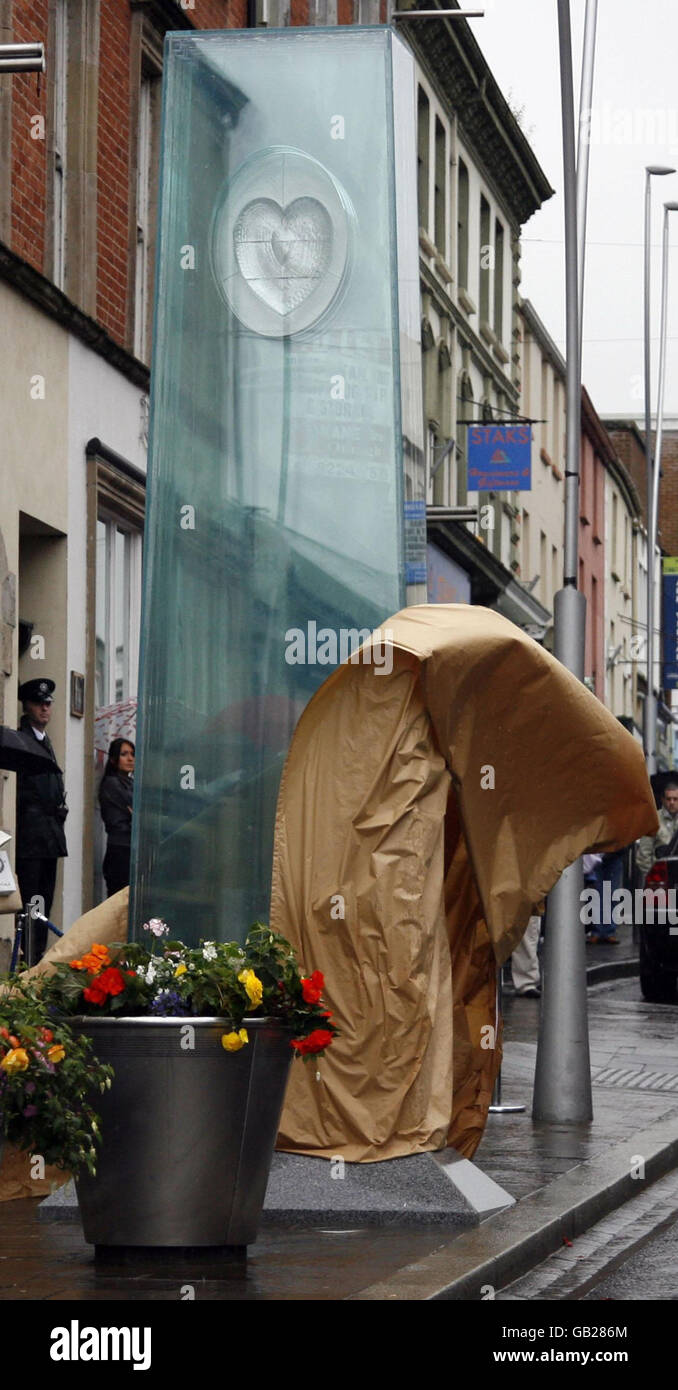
{"x":253,"y":987}
{"x":180,"y":970}
{"x":234,"y":1041}
{"x":56,"y":1052}
{"x":16,"y":1059}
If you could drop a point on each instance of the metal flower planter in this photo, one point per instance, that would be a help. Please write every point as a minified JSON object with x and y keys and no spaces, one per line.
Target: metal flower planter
{"x":188,"y":1131}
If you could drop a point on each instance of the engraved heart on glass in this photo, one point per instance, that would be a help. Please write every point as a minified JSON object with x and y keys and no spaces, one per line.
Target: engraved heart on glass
{"x":283,"y":253}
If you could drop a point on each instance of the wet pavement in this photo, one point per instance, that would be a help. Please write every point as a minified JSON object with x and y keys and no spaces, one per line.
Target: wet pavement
{"x":650,"y":1273}
{"x":50,"y":1261}
{"x":634,"y":1050}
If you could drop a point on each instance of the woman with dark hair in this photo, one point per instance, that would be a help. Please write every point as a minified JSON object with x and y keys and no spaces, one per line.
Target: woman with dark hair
{"x":115,"y":800}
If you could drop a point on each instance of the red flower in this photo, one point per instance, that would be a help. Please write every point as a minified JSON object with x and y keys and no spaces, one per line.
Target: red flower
{"x":111,"y":981}
{"x":316,"y":1041}
{"x":313,"y":987}
{"x":94,"y":994}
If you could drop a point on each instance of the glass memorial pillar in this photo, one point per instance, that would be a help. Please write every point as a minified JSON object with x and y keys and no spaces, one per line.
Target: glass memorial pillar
{"x":275,"y":536}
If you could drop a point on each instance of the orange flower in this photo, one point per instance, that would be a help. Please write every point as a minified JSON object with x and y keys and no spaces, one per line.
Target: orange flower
{"x":93,"y":961}
{"x":56,"y":1053}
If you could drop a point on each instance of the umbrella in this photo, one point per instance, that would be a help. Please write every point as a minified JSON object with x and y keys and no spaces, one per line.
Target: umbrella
{"x":21,"y":753}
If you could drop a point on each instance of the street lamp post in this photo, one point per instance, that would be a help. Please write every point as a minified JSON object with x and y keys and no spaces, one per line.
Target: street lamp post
{"x":653,"y":527}
{"x":562,"y":1080}
{"x":583,"y":147}
{"x":650,"y":710}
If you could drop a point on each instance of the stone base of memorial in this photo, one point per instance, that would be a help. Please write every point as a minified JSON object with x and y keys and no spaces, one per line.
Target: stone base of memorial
{"x":188,"y":1131}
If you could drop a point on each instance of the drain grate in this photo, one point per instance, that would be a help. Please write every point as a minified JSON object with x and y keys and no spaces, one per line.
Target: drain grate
{"x":636,"y":1079}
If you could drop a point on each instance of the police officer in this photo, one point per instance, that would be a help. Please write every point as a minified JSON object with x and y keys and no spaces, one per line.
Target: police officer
{"x":41,"y":812}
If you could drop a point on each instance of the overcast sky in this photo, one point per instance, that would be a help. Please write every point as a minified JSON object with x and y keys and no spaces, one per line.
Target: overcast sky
{"x":635,"y":122}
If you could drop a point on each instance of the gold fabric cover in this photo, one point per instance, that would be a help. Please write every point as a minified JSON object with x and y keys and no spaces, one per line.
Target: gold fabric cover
{"x":422,"y":816}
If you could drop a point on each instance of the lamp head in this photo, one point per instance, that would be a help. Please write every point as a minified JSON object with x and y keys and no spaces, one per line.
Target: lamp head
{"x":671,"y":207}
{"x":658,"y":169}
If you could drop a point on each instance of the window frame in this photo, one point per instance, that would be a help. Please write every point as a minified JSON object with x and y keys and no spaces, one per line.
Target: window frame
{"x":463,"y":216}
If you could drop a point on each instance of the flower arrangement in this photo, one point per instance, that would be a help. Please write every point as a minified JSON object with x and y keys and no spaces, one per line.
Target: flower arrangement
{"x":227,"y":980}
{"x":46,"y":1078}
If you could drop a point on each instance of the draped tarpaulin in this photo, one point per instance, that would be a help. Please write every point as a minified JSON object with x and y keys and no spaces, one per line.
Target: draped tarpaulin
{"x":434,"y":807}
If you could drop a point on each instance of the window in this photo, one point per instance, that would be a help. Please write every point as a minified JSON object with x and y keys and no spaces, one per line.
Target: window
{"x":462,"y":226}
{"x":118,"y":605}
{"x":60,"y":71}
{"x":613,"y":658}
{"x":543,"y":569}
{"x":505,"y":545}
{"x":499,"y":280}
{"x":422,"y":157}
{"x":146,"y":201}
{"x":439,"y":189}
{"x":557,"y":433}
{"x":555,"y":573}
{"x":595,"y":629}
{"x":485,"y":258}
{"x":545,"y":404}
{"x":526,"y":563}
{"x":466,"y":409}
{"x":614,"y":547}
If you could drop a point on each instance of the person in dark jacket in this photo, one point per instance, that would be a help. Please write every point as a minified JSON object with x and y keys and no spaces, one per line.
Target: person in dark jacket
{"x":41,"y":813}
{"x":115,"y":800}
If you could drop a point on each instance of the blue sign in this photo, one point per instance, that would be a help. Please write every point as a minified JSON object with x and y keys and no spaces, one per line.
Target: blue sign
{"x":415,"y":543}
{"x":670,"y":604}
{"x":499,"y":458}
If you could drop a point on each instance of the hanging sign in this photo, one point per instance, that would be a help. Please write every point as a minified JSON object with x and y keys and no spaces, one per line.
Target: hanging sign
{"x":499,"y":458}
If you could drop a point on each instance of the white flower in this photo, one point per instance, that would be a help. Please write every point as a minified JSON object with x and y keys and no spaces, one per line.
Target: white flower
{"x":146,"y":973}
{"x":156,"y":926}
{"x":209,"y":951}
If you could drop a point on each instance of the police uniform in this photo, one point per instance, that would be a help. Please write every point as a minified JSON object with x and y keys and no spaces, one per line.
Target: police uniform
{"x":41,"y":812}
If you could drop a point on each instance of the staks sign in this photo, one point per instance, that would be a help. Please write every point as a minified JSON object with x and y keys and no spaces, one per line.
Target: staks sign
{"x":499,"y":458}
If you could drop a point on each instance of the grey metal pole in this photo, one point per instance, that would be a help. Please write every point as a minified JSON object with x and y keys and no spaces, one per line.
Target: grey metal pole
{"x":656,"y":472}
{"x":499,"y":1107}
{"x":650,"y":708}
{"x":22,"y":57}
{"x":562,"y":1083}
{"x":583,"y":147}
